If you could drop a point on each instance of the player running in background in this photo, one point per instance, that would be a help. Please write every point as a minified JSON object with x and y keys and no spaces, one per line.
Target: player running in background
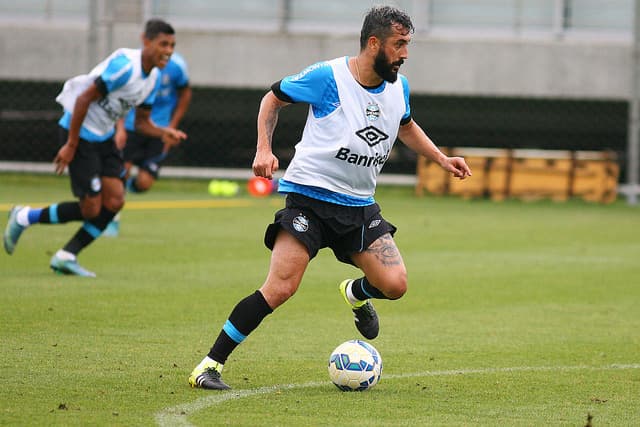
{"x":358,"y":106}
{"x":147,"y":152}
{"x":92,"y":104}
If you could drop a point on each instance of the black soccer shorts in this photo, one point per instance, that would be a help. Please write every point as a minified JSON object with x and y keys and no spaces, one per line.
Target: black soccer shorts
{"x":146,"y":152}
{"x":92,"y":161}
{"x":318,"y":224}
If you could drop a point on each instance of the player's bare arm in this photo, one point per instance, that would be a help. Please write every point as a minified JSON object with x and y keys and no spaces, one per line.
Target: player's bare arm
{"x":68,"y":150}
{"x":120,"y":137}
{"x":184,"y":100}
{"x":412,"y":135}
{"x":168,"y":135}
{"x":266,"y":163}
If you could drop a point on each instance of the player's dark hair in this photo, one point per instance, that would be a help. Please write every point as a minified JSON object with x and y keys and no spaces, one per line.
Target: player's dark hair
{"x":155,"y":27}
{"x":379,"y":22}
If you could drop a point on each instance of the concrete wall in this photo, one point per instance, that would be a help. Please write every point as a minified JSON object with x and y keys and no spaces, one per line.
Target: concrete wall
{"x":593,"y":69}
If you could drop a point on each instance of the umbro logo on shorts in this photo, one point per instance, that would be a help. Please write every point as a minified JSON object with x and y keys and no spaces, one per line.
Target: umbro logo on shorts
{"x":375,"y":223}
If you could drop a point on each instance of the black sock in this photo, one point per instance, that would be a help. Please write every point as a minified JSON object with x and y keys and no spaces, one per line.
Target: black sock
{"x":60,"y":213}
{"x":89,"y":231}
{"x":363,"y":290}
{"x":245,"y":317}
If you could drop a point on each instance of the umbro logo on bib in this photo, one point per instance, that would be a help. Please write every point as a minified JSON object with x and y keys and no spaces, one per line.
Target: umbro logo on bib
{"x":372,"y":135}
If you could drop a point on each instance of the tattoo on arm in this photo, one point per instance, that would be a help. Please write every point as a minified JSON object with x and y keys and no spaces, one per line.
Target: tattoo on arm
{"x":385,"y":250}
{"x":267,"y":119}
{"x":271,"y":122}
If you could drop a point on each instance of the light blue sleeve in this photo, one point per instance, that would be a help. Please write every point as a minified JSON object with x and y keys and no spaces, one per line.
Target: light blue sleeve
{"x":130,"y":120}
{"x":181,"y":71}
{"x":315,"y":85}
{"x":308,"y":86}
{"x":117,"y":72}
{"x":405,"y":88}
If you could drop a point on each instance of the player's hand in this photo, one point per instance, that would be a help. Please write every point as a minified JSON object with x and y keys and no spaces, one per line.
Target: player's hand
{"x":457,"y":166}
{"x":172,"y":137}
{"x":265,"y":164}
{"x":64,"y":157}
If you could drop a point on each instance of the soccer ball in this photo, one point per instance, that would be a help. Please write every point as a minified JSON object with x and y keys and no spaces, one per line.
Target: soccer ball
{"x":355,"y":366}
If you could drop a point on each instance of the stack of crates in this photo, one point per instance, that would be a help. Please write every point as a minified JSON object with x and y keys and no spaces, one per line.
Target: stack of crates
{"x":489,"y":167}
{"x":540,"y":174}
{"x":595,"y":176}
{"x":525,"y":174}
{"x":431,"y":177}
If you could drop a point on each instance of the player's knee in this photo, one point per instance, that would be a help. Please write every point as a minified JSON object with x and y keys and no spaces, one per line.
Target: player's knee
{"x":144,"y":186}
{"x":277,"y":289}
{"x":283,"y":295}
{"x":144,"y":181}
{"x":277,"y":295}
{"x":396,"y":286}
{"x":114,"y":203}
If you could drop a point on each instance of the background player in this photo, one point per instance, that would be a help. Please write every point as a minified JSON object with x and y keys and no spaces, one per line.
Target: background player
{"x":147,"y":152}
{"x":92,"y":104}
{"x":357,"y":108}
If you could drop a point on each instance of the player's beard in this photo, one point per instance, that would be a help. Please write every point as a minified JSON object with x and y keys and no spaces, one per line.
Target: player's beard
{"x":384,"y":68}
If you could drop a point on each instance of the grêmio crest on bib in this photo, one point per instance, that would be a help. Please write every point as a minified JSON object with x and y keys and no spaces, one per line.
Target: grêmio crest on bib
{"x":372,"y":111}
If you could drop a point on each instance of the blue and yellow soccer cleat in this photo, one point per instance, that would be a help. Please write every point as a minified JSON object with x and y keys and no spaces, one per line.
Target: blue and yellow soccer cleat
{"x":207,"y":375}
{"x":12,"y":231}
{"x":69,"y":266}
{"x":365,"y":316}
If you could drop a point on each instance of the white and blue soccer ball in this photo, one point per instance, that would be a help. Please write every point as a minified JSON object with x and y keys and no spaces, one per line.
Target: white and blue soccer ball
{"x":355,"y":366}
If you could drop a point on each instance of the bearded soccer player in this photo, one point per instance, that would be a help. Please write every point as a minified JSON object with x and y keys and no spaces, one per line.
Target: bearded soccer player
{"x":357,"y":107}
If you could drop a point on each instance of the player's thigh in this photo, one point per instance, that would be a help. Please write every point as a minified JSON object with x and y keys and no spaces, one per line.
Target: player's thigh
{"x":383,"y":266}
{"x":84,"y":171}
{"x":289,"y":260}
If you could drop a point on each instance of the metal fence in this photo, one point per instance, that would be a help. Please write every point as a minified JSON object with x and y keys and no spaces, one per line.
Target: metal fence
{"x":221,"y":124}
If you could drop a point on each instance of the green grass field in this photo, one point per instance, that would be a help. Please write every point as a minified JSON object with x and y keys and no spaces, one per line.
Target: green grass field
{"x":523,"y":314}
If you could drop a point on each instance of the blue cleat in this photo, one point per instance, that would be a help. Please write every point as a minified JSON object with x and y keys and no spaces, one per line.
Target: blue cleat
{"x":113,"y":228}
{"x":13,"y":231}
{"x":69,"y":266}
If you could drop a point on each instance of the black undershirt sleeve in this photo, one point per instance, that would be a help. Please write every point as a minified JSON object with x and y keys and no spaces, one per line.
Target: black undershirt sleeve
{"x":275,"y":88}
{"x":102,"y":87}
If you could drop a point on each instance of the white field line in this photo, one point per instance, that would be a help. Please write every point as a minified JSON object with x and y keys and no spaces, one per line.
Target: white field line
{"x":177,"y":415}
